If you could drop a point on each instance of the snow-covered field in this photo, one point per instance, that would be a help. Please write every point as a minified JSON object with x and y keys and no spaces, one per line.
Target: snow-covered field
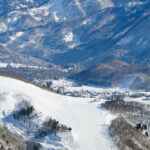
{"x":89,"y":122}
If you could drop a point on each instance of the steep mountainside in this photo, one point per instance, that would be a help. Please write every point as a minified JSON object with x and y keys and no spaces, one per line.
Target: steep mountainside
{"x":116,"y":73}
{"x":74,"y":31}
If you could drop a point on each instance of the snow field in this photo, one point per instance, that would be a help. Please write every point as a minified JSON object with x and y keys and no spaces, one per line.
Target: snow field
{"x":89,"y":123}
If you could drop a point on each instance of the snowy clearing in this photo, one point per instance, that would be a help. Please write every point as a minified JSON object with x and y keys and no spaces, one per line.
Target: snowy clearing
{"x":90,"y":124}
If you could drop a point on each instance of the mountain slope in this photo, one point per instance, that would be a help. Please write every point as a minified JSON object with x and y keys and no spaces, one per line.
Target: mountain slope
{"x":88,"y":122}
{"x":116,"y":73}
{"x":29,"y":67}
{"x":8,"y":56}
{"x":74,"y":31}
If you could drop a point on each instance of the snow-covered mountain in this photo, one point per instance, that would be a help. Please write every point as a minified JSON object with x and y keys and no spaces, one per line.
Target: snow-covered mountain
{"x":104,"y":42}
{"x":79,"y":118}
{"x":90,"y":127}
{"x":74,"y":31}
{"x":116,"y":73}
{"x":67,"y":36}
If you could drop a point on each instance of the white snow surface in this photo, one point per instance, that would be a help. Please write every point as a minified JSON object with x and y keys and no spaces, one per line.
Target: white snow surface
{"x":15,"y":65}
{"x":68,"y":37}
{"x":14,"y":37}
{"x":89,"y":123}
{"x":3,"y":27}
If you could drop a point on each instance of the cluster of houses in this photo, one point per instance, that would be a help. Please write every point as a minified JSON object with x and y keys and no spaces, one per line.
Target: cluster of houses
{"x":109,"y":95}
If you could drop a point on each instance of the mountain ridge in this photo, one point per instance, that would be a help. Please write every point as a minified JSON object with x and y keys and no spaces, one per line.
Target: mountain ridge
{"x":116,"y":73}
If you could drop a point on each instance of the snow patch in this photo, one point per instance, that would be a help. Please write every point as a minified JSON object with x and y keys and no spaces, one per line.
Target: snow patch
{"x":88,"y":21}
{"x":15,"y":19}
{"x":77,"y":2}
{"x":23,"y":6}
{"x":3,"y":65}
{"x":68,"y":36}
{"x":36,"y":13}
{"x":18,"y":34}
{"x":106,"y":3}
{"x":14,"y":37}
{"x":132,"y":4}
{"x":30,"y":1}
{"x":55,"y":17}
{"x":72,"y":46}
{"x":8,"y":20}
{"x":3,"y":27}
{"x":15,"y":65}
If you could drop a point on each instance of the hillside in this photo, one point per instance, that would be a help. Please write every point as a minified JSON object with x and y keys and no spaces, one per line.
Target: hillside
{"x":85,"y":118}
{"x":74,"y":74}
{"x":116,"y":73}
{"x":75,"y":32}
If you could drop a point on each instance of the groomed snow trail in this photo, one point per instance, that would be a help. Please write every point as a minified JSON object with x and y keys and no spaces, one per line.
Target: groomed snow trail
{"x":90,"y":124}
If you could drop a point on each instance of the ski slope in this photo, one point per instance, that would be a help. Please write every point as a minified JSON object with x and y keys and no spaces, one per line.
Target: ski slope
{"x":89,"y":123}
